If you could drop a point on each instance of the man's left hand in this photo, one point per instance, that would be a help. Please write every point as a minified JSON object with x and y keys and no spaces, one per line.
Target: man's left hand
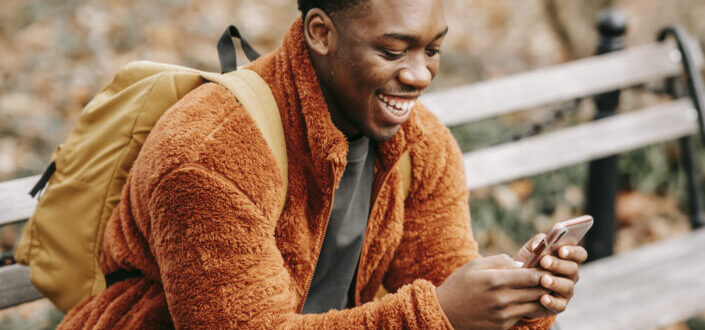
{"x":565,"y":274}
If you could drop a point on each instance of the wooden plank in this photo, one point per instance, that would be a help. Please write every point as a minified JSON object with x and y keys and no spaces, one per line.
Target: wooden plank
{"x":580,"y":143}
{"x":654,"y":286}
{"x":15,"y":202}
{"x":559,"y":83}
{"x":15,"y":287}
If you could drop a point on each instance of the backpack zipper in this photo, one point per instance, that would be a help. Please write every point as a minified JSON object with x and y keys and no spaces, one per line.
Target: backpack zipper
{"x":44,"y":179}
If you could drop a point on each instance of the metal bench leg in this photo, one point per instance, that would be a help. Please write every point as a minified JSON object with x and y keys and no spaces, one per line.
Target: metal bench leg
{"x":602,"y":177}
{"x":694,"y":189}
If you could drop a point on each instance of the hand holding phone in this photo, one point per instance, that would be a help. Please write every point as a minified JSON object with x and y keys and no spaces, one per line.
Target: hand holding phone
{"x":568,"y":232}
{"x":563,"y":269}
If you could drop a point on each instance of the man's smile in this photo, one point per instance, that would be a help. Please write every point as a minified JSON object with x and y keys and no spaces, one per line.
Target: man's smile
{"x":397,"y":105}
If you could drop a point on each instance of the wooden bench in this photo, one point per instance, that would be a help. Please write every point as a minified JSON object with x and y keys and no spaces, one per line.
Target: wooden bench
{"x":652,"y":286}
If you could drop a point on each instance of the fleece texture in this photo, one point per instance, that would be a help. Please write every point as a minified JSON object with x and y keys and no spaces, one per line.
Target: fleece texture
{"x":198,"y":217}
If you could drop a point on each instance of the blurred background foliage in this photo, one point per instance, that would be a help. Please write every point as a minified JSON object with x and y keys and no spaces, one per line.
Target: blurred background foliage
{"x":55,"y":55}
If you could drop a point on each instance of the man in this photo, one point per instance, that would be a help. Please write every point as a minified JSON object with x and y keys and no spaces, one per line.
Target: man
{"x":198,"y":215}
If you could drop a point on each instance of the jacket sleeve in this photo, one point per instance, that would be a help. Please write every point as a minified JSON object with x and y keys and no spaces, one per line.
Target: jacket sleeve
{"x":220,"y":266}
{"x":437,"y":235}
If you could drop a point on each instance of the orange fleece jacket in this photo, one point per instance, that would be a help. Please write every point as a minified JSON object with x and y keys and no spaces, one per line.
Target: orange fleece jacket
{"x":198,"y":217}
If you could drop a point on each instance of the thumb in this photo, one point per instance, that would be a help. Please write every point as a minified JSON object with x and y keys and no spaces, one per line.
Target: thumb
{"x":527,"y":251}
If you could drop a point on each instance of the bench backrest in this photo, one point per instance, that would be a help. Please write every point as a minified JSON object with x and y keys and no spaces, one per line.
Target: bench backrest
{"x":570,"y":81}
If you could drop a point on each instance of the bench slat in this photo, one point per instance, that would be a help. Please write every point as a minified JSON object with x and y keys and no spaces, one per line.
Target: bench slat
{"x":15,"y":287}
{"x":580,"y":143}
{"x":558,"y":83}
{"x":656,"y":285}
{"x":15,"y":202}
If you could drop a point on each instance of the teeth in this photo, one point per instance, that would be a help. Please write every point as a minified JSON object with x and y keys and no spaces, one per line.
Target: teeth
{"x":396,"y":106}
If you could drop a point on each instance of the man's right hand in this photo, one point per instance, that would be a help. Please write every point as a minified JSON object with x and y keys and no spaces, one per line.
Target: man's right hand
{"x":491,"y":293}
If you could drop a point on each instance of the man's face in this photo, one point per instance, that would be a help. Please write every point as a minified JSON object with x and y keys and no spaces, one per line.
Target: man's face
{"x":381,"y":63}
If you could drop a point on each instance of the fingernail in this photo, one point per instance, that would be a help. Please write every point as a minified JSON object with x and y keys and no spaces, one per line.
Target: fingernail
{"x":547,"y":280}
{"x":564,"y":253}
{"x":547,"y":263}
{"x":519,"y":263}
{"x":534,"y":245}
{"x":546,"y":299}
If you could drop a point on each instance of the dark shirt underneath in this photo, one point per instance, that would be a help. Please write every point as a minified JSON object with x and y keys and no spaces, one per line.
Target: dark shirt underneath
{"x":340,"y":253}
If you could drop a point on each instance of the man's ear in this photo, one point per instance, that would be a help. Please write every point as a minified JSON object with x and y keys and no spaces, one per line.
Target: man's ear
{"x":319,"y":31}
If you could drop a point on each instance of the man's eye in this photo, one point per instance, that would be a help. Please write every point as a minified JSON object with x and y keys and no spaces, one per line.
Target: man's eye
{"x":432,"y":52}
{"x":391,"y":54}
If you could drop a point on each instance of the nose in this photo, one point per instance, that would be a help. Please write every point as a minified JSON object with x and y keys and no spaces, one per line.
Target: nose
{"x":417,"y":75}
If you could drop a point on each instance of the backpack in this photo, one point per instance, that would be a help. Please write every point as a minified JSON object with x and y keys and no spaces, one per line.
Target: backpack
{"x":62,"y":240}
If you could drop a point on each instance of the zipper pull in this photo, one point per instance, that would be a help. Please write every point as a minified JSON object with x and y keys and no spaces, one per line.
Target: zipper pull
{"x":39,"y":186}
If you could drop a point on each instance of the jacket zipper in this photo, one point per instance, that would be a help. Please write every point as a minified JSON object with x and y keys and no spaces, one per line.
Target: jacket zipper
{"x":366,"y":238}
{"x":320,"y":248}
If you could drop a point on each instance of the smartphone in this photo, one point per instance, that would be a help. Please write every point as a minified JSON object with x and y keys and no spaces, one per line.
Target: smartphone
{"x":568,"y":232}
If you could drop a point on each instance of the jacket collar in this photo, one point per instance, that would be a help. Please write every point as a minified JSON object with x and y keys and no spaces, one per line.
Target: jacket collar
{"x":304,"y":103}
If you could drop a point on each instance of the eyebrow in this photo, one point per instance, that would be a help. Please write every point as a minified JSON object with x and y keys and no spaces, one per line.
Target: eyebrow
{"x":410,"y":38}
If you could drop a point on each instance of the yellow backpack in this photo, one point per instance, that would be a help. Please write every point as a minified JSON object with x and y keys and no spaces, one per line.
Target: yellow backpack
{"x":61,"y":241}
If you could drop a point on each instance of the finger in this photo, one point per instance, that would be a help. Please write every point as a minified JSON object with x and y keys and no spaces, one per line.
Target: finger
{"x":518,"y":296}
{"x":527,"y":251}
{"x":563,"y":287}
{"x":577,"y":254}
{"x":534,"y":242}
{"x":553,"y":304}
{"x":507,"y":297}
{"x":530,"y":309}
{"x":516,"y":278}
{"x":558,"y":266}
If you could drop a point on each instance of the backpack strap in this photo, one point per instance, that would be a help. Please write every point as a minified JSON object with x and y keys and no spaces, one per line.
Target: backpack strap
{"x":257,"y":99}
{"x":405,"y":172}
{"x":226,"y":49}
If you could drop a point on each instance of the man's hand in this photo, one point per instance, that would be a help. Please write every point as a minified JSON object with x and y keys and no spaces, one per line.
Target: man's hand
{"x":564,"y":269}
{"x":491,"y":293}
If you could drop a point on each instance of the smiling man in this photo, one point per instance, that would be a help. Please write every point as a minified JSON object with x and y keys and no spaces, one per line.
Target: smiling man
{"x":198,"y":219}
{"x":373,"y":61}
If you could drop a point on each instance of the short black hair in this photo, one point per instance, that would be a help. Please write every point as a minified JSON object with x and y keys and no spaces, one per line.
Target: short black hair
{"x":328,"y":6}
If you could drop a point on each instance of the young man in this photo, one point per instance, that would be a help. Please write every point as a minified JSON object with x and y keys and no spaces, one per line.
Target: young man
{"x":198,"y":217}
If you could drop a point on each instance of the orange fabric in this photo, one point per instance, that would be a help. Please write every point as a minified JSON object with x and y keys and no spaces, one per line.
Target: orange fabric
{"x":198,"y":218}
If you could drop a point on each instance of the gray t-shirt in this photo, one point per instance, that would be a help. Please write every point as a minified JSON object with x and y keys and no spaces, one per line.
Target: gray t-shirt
{"x":340,"y":254}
